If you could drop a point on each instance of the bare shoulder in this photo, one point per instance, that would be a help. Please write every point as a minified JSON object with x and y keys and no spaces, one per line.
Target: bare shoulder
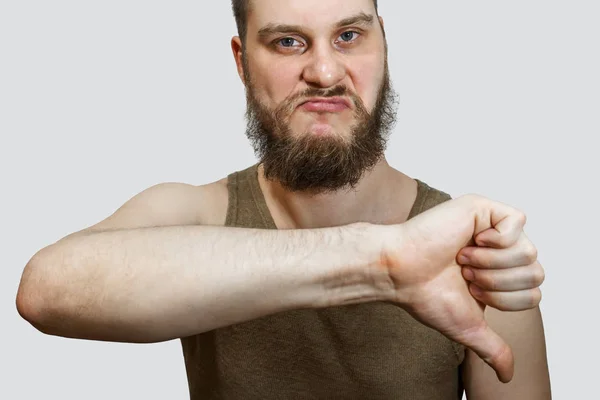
{"x":169,"y":204}
{"x":215,"y":202}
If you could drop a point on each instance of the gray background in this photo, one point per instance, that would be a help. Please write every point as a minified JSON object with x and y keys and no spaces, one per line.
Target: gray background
{"x":99,"y":100}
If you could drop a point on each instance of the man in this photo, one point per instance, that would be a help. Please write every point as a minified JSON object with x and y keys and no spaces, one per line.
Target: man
{"x":320,"y":272}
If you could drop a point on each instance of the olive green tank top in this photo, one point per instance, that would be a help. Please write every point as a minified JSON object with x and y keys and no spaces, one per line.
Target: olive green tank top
{"x":362,"y":351}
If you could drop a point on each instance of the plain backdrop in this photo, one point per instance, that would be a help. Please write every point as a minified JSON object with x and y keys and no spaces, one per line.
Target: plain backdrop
{"x":102,"y":99}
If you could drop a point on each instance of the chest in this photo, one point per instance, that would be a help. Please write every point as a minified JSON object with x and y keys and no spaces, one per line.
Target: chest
{"x":372,"y":350}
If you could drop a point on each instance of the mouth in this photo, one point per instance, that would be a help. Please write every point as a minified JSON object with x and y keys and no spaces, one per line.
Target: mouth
{"x":325,"y":104}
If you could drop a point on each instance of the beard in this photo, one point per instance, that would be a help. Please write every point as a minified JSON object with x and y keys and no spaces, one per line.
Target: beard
{"x":319,"y":164}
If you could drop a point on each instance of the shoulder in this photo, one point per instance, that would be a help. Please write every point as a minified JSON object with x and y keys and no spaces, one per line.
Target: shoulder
{"x":169,"y":204}
{"x":185,"y":204}
{"x":213,"y":210}
{"x":428,"y":197}
{"x":434,"y":191}
{"x":173,"y":203}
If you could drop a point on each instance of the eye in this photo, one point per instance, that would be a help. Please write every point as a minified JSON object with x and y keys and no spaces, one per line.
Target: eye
{"x":349,"y":36}
{"x":287,"y":42}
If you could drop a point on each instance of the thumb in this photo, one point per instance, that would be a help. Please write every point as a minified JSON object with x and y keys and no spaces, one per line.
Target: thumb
{"x":503,"y":228}
{"x":492,"y":349}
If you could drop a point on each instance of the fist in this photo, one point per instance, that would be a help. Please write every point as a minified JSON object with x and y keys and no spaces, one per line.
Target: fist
{"x":448,"y":263}
{"x":502,"y":267}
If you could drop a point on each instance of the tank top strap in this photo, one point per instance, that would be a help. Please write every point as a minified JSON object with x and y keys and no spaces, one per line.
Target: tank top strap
{"x":247,"y":207}
{"x":427,"y":197}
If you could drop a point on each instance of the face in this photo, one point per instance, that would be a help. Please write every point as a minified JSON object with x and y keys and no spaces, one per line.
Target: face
{"x":319,"y":99}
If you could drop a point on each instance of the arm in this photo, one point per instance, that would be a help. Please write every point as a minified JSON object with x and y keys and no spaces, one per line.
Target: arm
{"x":524,"y":332}
{"x":126,"y":279}
{"x":155,"y":283}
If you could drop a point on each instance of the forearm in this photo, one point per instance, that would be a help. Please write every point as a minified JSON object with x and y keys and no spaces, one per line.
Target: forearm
{"x":155,"y":284}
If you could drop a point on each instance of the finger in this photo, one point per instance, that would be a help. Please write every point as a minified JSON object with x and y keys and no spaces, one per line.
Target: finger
{"x":492,"y":349}
{"x":508,"y":301}
{"x":506,"y":227}
{"x":500,"y":237}
{"x":520,"y":254}
{"x":506,"y":280}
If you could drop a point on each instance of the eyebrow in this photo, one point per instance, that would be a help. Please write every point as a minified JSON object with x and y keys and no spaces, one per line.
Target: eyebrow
{"x":363,"y":19}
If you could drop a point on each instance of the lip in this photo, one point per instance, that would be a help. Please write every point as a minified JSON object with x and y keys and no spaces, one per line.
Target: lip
{"x":327,"y":100}
{"x":325,"y":105}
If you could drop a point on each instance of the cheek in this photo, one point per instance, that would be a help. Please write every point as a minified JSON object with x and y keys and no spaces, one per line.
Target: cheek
{"x":281,"y":81}
{"x":367,"y":77}
{"x":274,"y":81}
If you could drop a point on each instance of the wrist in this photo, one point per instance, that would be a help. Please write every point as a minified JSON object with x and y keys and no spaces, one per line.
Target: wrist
{"x":364,"y":275}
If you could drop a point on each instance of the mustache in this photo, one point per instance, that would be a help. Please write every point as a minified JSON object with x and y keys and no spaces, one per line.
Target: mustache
{"x":333,"y":92}
{"x":288,"y":105}
{"x":336,"y":91}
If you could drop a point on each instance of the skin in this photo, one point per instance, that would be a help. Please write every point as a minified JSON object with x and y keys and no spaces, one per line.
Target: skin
{"x":379,"y":255}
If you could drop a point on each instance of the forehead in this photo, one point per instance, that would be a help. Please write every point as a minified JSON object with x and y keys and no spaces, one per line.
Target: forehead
{"x":309,"y":13}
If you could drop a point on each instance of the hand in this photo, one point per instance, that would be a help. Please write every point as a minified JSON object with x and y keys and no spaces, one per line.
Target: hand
{"x":503,"y":275}
{"x":421,"y":260}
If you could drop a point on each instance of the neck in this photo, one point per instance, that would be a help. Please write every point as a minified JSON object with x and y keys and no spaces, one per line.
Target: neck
{"x":382,"y":196}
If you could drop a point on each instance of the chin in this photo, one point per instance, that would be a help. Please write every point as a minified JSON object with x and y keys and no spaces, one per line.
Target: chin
{"x":322,"y":128}
{"x":322,"y":131}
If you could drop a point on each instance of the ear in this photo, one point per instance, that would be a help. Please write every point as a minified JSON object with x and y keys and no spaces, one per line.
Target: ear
{"x":382,"y":25}
{"x":236,"y":48}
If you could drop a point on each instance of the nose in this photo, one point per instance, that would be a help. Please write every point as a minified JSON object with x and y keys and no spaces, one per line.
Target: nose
{"x":324,"y":68}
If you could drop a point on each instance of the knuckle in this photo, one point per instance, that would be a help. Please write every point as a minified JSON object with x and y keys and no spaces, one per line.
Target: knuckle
{"x":476,"y":200}
{"x":539,"y":276}
{"x":500,"y":354}
{"x":521,"y":217}
{"x":471,"y":200}
{"x":530,"y":252}
{"x":536,"y":298}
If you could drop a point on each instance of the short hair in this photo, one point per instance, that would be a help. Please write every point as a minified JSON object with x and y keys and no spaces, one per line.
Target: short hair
{"x":240,"y":12}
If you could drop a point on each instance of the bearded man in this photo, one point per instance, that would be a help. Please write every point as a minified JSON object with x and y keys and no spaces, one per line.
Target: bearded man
{"x":320,"y":272}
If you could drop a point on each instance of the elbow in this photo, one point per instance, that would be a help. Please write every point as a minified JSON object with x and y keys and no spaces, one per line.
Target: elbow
{"x":29,"y":310}
{"x":35,"y":293}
